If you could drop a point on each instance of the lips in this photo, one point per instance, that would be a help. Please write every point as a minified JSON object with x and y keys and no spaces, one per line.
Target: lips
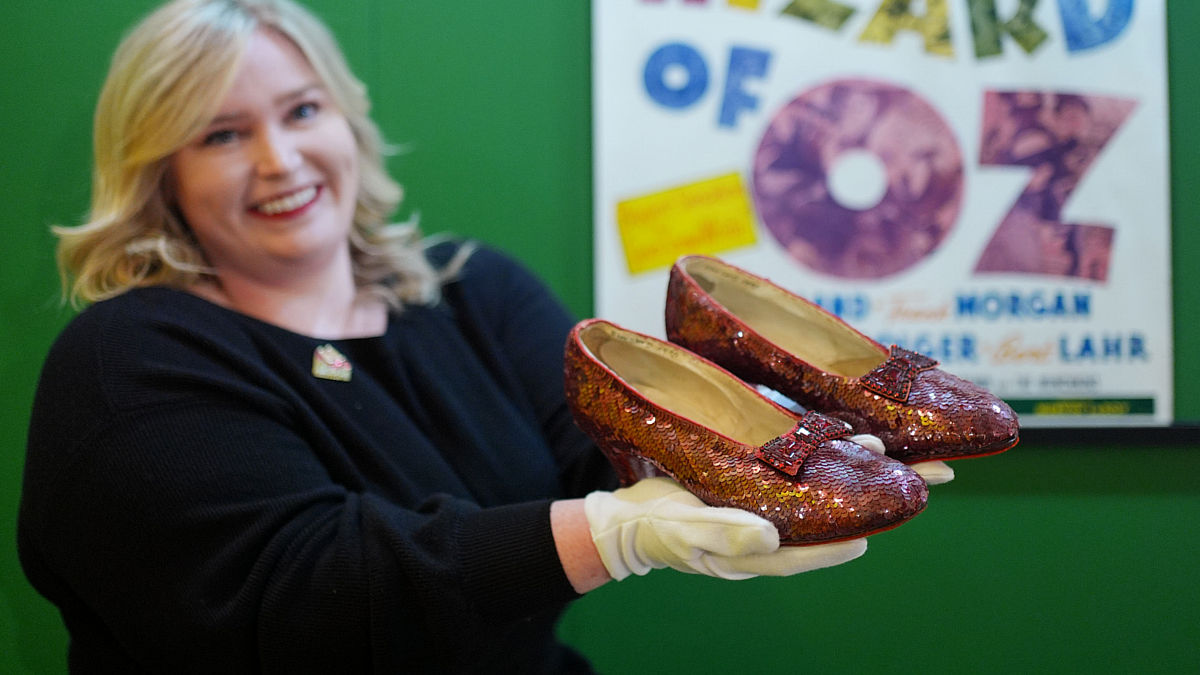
{"x":287,"y":204}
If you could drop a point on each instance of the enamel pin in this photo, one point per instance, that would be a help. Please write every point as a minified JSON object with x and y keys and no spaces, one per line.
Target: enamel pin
{"x":329,"y":364}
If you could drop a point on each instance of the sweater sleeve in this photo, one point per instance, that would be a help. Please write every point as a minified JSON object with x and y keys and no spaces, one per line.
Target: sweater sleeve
{"x":202,"y":532}
{"x":523,"y":326}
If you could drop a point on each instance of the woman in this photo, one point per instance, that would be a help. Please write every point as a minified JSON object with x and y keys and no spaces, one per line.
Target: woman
{"x":287,"y":437}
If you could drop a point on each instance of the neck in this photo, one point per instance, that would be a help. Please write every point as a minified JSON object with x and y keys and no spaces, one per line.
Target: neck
{"x":326,"y":306}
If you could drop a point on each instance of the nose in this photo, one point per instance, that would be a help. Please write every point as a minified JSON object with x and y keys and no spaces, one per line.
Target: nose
{"x":276,"y":153}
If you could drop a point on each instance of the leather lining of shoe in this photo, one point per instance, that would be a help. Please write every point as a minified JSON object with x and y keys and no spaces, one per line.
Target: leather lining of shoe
{"x":688,"y":387}
{"x":793,"y":325}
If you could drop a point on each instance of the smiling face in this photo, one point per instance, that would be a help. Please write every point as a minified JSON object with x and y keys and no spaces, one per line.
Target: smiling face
{"x":269,"y":186}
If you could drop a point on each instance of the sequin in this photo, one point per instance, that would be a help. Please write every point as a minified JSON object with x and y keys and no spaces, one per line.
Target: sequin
{"x":840,"y":490}
{"x":788,"y":452}
{"x":918,"y":410}
{"x":894,"y":377}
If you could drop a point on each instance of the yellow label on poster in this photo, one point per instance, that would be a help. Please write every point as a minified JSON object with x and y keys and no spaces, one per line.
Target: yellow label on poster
{"x":706,"y":217}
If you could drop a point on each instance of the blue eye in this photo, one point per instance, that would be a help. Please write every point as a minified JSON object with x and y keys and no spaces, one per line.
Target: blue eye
{"x":220,"y":137}
{"x":305,"y":111}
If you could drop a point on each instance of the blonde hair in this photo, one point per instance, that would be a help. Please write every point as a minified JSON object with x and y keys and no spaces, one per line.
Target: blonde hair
{"x":167,"y":78}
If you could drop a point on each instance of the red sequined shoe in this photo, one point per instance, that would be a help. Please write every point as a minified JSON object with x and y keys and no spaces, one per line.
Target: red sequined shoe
{"x":769,"y":336}
{"x":655,"y":408}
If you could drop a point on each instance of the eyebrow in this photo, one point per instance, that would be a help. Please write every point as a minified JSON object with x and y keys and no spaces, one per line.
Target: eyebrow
{"x":299,"y":92}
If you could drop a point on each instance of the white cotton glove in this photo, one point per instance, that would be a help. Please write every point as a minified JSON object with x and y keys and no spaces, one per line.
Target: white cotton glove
{"x":933,"y":471}
{"x":656,"y":523}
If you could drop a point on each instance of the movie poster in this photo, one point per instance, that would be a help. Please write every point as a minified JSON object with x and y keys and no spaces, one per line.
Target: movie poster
{"x":982,"y":181}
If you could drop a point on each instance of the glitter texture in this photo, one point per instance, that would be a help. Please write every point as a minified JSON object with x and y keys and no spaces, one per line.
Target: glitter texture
{"x":788,"y":452}
{"x":894,"y":378}
{"x":919,"y":411}
{"x":838,"y":490}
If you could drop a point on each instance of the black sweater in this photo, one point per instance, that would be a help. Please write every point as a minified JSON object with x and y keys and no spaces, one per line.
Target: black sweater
{"x":195,"y":500}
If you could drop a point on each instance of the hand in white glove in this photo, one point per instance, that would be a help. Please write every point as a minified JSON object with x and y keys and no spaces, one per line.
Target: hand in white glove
{"x":933,"y":471}
{"x":656,"y":523}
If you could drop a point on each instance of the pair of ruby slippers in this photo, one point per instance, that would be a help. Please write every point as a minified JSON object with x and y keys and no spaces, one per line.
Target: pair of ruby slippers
{"x":683,"y":408}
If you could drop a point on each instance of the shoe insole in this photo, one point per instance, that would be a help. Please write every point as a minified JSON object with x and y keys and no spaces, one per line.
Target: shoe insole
{"x":788,"y":322}
{"x":692,"y":389}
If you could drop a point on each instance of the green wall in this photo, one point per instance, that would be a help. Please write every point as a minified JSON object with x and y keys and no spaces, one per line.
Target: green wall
{"x":1067,"y":554}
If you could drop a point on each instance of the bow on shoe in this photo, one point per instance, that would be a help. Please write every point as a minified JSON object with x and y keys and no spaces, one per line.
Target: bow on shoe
{"x":789,"y":451}
{"x":895,"y":376}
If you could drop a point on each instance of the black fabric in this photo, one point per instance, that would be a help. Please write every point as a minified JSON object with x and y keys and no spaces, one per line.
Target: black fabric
{"x":195,"y":500}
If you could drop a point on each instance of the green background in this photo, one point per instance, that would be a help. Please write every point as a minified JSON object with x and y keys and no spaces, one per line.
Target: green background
{"x":1073,"y":553}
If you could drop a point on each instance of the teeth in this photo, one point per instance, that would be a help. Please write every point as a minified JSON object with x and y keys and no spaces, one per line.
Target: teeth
{"x":288,"y":203}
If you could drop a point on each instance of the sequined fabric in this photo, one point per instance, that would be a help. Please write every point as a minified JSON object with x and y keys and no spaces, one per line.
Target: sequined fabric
{"x":894,"y":377}
{"x":939,"y":417}
{"x":840,"y":490}
{"x":788,"y":452}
